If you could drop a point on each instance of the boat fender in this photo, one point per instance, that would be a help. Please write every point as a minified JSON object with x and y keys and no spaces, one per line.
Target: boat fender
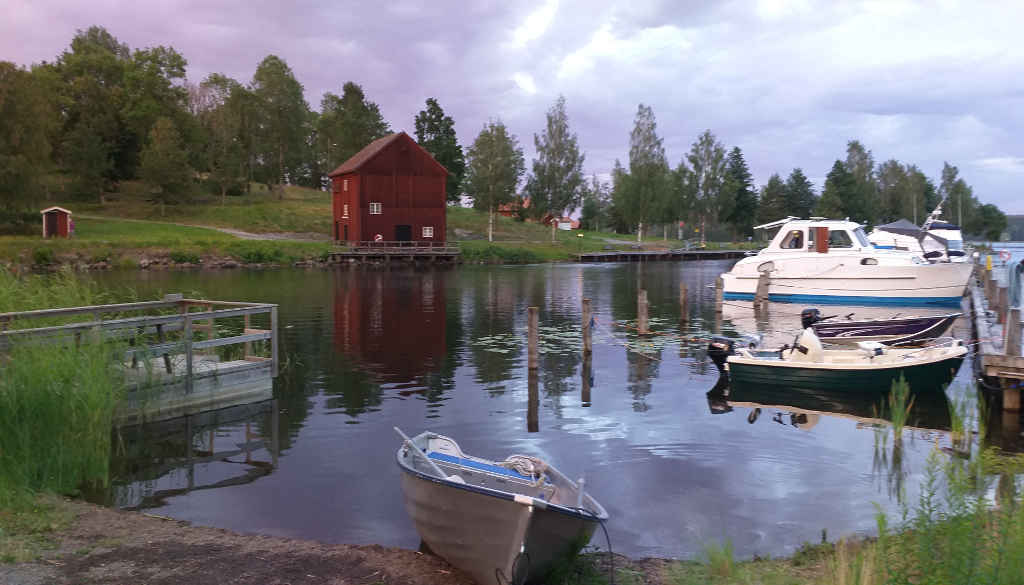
{"x":528,"y":501}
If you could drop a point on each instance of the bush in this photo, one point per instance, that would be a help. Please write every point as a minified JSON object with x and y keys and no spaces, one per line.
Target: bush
{"x":261,"y":255}
{"x":43,"y":256}
{"x":181,"y":257}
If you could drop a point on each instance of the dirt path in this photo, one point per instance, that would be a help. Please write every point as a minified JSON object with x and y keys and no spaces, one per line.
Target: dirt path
{"x":294,"y":236}
{"x":103,"y":546}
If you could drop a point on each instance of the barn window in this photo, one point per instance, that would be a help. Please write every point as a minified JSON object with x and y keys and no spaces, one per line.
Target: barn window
{"x":428,"y":231}
{"x":375,"y":208}
{"x":344,"y":185}
{"x":344,"y":211}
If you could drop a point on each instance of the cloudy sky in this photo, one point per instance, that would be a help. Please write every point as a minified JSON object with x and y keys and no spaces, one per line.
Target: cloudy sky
{"x":788,"y":81}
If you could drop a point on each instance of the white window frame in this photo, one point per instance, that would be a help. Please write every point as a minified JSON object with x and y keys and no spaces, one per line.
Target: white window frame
{"x":376,"y":208}
{"x":344,"y":185}
{"x":344,"y":210}
{"x":428,"y":231}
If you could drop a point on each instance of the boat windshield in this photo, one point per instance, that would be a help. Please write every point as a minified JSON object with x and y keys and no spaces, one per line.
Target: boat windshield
{"x":861,"y":237}
{"x":955,"y":244}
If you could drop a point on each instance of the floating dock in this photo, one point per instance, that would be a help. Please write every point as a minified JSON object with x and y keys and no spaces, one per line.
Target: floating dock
{"x":181,"y":356}
{"x":659,"y":255}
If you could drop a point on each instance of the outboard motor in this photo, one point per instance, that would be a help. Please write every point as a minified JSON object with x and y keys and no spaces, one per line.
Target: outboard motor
{"x":719,"y":350}
{"x":809,"y":317}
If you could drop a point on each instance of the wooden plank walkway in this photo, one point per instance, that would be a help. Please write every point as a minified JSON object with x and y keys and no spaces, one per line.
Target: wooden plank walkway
{"x":397,"y":252}
{"x":998,"y":330}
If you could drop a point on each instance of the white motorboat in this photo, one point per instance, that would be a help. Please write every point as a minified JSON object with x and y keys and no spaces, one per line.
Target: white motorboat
{"x":940,"y":242}
{"x":818,"y":261}
{"x":506,"y":522}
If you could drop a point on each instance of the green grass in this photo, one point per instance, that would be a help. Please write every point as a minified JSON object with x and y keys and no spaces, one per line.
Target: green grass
{"x":29,"y":525}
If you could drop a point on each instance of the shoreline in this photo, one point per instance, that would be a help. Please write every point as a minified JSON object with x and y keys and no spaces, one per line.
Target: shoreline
{"x":104,"y":546}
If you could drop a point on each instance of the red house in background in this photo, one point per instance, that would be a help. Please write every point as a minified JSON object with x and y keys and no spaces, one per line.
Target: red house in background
{"x":393,"y":190}
{"x":57,"y":223}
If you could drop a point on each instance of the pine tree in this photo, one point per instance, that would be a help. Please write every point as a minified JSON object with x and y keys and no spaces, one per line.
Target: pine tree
{"x":555,"y":182}
{"x":800,"y":197}
{"x":164,"y":168}
{"x":435,"y":132}
{"x":839,"y":187}
{"x":740,"y":186}
{"x":495,"y":166}
{"x":773,"y":200}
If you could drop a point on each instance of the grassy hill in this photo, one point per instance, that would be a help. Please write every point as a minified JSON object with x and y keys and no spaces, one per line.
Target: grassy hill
{"x":129,"y":228}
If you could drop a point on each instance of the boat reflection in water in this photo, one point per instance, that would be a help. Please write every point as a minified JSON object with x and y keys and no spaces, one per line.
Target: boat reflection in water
{"x":801,"y":407}
{"x":152,"y":462}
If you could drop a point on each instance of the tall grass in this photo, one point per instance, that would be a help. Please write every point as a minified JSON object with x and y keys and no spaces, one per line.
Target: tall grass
{"x":56,"y":400}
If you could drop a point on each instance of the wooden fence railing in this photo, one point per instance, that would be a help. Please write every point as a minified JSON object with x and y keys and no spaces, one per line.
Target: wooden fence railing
{"x":404,"y":247}
{"x":177,"y":317}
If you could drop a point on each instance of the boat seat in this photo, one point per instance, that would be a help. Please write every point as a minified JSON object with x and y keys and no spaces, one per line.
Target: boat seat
{"x":871,"y":348}
{"x":478,"y":465}
{"x":807,"y":349}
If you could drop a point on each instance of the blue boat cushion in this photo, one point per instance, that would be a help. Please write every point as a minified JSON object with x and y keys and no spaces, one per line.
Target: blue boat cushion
{"x":496,"y":469}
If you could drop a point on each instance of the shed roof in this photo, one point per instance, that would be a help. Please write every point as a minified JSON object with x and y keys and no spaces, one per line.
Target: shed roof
{"x":55,"y":208}
{"x":374,"y":148}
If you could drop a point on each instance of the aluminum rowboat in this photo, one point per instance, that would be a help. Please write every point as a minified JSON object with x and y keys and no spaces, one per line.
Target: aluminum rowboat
{"x":894,"y":331}
{"x":500,"y":522}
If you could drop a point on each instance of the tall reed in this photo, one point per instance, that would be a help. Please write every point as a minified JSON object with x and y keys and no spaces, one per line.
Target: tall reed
{"x":56,"y":400}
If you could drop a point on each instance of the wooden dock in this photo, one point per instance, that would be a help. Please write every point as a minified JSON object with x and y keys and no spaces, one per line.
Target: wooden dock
{"x":181,"y":356}
{"x":386,"y":252}
{"x":659,"y":255}
{"x":997,"y":327}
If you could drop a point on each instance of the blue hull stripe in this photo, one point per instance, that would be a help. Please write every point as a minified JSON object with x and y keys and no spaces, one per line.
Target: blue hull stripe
{"x":848,"y":300}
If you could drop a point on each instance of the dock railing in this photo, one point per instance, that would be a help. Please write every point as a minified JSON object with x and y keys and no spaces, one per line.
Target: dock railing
{"x":402,"y":247}
{"x":179,"y":332}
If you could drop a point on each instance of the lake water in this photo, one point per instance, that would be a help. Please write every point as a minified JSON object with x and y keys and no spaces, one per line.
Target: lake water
{"x":445,"y":350}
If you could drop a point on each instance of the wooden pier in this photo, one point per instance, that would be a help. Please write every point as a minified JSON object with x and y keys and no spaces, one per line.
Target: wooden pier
{"x":659,"y":255}
{"x":385,"y":252}
{"x":997,"y":327}
{"x":180,"y":356}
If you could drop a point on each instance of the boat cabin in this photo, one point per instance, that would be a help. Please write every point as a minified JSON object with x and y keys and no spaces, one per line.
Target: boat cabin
{"x":816,"y":235}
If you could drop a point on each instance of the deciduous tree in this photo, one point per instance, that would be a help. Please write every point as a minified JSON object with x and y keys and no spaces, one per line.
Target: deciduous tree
{"x":164,"y":167}
{"x":648,"y":178}
{"x":282,"y":115}
{"x":495,"y":166}
{"x":773,"y":199}
{"x":800,"y":198}
{"x":28,"y":116}
{"x":839,"y":187}
{"x":556,"y":180}
{"x":707,"y":163}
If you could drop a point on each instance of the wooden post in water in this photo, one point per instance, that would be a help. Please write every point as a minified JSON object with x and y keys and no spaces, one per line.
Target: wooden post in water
{"x":533,"y":401}
{"x":532,"y":323}
{"x":1011,"y":343}
{"x":586,"y":372}
{"x":587,"y":316}
{"x":719,"y":293}
{"x":761,"y":293}
{"x":684,"y":310}
{"x":641,"y":312}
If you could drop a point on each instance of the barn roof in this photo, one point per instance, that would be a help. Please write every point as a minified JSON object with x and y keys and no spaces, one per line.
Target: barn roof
{"x":374,"y":148}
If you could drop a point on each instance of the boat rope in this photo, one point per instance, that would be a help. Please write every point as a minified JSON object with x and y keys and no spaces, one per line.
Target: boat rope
{"x":608,"y":541}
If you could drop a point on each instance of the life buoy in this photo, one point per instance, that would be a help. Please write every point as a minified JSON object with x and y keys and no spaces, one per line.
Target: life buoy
{"x":378,"y":238}
{"x":1004,"y":255}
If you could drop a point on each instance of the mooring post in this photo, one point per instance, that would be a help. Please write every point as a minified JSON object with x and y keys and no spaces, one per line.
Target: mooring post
{"x":761,"y":292}
{"x":684,"y":310}
{"x":533,"y":402}
{"x":719,"y":292}
{"x":1011,"y":395}
{"x":641,"y":312}
{"x":587,"y":345}
{"x":532,"y":323}
{"x":586,"y":373}
{"x":1011,"y":343}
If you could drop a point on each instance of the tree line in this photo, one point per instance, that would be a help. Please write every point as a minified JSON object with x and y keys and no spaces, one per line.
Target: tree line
{"x":102,"y":113}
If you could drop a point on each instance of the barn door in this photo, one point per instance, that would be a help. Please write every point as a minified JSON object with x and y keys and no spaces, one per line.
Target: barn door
{"x":51,"y":225}
{"x":403,"y":233}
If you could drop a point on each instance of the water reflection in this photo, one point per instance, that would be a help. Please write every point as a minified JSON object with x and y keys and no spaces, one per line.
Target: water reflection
{"x":152,"y":462}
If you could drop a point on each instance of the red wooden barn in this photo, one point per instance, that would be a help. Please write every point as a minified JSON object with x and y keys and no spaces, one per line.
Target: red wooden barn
{"x":393,"y":191}
{"x":57,"y":223}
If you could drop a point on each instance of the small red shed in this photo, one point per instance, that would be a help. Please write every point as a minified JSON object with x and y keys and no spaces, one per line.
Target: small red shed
{"x":392,"y":191}
{"x":57,"y":223}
